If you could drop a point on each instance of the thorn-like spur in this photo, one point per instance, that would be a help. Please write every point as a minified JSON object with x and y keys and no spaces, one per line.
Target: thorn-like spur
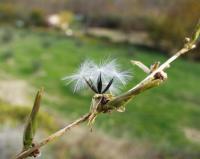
{"x":91,"y":85}
{"x":154,"y":66}
{"x":108,"y":85}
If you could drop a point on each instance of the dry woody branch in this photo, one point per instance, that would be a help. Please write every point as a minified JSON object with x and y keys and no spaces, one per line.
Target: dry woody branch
{"x":104,"y":102}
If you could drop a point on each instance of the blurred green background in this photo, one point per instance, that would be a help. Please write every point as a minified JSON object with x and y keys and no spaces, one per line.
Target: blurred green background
{"x":41,"y":41}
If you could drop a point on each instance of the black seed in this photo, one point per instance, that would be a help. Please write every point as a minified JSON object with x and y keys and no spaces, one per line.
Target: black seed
{"x":91,"y":85}
{"x":99,"y":84}
{"x":108,"y":86}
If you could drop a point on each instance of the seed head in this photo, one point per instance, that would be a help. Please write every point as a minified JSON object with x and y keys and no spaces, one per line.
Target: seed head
{"x":101,"y":78}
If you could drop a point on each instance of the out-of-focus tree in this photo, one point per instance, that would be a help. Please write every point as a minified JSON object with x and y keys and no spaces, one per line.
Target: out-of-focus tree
{"x":8,"y":13}
{"x":179,"y":22}
{"x":36,"y":17}
{"x":122,"y":14}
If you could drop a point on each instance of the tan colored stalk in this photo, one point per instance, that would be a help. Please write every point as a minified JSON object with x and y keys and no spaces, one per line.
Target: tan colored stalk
{"x":155,"y":78}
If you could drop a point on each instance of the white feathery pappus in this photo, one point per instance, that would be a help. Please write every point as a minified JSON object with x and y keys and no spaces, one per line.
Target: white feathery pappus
{"x":102,"y":78}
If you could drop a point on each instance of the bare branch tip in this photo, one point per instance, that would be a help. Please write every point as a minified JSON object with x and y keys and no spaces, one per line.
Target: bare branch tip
{"x":142,"y":66}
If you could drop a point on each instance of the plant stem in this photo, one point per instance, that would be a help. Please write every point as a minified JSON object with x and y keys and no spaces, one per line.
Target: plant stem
{"x":52,"y":137}
{"x":148,"y":82}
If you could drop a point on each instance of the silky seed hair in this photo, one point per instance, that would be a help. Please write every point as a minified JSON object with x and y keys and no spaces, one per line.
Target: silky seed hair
{"x":100,"y":78}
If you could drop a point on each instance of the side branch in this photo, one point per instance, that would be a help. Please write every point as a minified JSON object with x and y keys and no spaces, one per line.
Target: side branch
{"x":52,"y":137}
{"x":152,"y":80}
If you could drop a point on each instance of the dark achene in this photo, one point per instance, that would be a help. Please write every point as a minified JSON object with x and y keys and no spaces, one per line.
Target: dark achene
{"x":100,"y":99}
{"x":98,"y":88}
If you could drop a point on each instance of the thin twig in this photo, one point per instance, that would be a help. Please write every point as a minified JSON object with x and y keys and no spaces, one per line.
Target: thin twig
{"x":149,"y":81}
{"x":52,"y":137}
{"x":162,"y":67}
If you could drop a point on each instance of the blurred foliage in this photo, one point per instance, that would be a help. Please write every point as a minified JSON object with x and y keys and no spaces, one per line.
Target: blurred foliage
{"x":66,"y":17}
{"x":168,"y":32}
{"x":155,"y":18}
{"x":125,"y":15}
{"x":36,"y":18}
{"x":14,"y":14}
{"x":47,"y":43}
{"x":36,"y":65}
{"x":7,"y":55}
{"x":18,"y":114}
{"x":7,"y":36}
{"x":8,"y":12}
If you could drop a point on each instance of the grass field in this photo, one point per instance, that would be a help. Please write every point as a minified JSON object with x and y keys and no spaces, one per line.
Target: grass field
{"x":160,"y":116}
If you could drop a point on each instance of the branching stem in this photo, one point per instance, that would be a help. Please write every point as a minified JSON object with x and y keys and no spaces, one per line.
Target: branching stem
{"x":52,"y":137}
{"x":150,"y":81}
{"x":147,"y":83}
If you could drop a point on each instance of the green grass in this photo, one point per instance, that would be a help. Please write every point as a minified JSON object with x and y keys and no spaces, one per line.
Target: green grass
{"x":157,"y":116}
